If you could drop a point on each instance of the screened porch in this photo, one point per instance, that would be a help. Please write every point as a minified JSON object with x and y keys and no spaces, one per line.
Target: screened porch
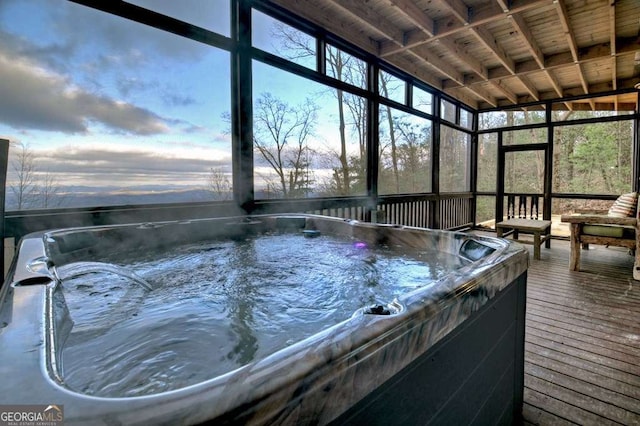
{"x":442,"y":115}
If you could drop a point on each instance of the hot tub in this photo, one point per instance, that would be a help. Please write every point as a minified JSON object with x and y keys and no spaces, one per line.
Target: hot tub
{"x":274,"y":319}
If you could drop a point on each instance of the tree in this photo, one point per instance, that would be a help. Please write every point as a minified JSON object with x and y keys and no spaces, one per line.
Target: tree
{"x":280,"y":137}
{"x":348,"y":171}
{"x":24,"y":187}
{"x":50,"y":192}
{"x":337,"y":62}
{"x":414,"y":156}
{"x":386,"y":111}
{"x":218,"y":184}
{"x":454,"y":160}
{"x":31,"y":188}
{"x":405,"y":159}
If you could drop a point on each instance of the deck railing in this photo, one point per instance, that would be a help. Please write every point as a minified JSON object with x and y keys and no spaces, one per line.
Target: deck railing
{"x":450,"y":211}
{"x":456,"y":212}
{"x":524,"y":206}
{"x":453,"y":211}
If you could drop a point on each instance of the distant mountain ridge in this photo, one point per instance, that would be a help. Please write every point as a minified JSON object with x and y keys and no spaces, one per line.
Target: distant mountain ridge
{"x":92,"y":196}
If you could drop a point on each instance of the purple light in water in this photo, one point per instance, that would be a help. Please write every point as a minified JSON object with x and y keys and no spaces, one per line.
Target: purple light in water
{"x":360,"y":245}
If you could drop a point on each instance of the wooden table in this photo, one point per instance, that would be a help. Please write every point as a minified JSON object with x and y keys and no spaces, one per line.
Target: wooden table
{"x":527,"y":226}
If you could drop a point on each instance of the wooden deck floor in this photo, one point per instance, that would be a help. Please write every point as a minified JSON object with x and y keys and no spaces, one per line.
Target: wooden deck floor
{"x":582,"y":344}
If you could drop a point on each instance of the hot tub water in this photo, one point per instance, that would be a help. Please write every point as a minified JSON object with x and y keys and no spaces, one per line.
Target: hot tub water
{"x":218,"y":305}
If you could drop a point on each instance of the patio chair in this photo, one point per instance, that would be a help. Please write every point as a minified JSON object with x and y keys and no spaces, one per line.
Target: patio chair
{"x":619,"y":226}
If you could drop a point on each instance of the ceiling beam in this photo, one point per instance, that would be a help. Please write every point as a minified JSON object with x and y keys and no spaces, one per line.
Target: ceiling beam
{"x":530,"y":88}
{"x":479,"y":70}
{"x":579,"y":91}
{"x":460,"y":11}
{"x":583,"y":81}
{"x":333,"y":23}
{"x":453,"y":25}
{"x":499,"y":85}
{"x":359,"y":11}
{"x":557,"y":61}
{"x":504,"y":5}
{"x":563,"y":15}
{"x":463,"y":54}
{"x":457,"y":8}
{"x":485,"y":37}
{"x":612,"y":40}
{"x":554,"y":82}
{"x":408,"y":64}
{"x":483,"y":94}
{"x":462,"y":95}
{"x":612,"y":26}
{"x":527,"y":38}
{"x":425,"y":55}
{"x":403,"y":33}
{"x":411,"y":10}
{"x":563,"y":59}
{"x":366,"y":15}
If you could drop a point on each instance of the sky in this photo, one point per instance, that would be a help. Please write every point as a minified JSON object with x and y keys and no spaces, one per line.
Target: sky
{"x":101,"y":100}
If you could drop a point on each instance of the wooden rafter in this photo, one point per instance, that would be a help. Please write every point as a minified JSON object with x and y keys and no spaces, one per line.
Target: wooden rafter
{"x":485,"y":37}
{"x":460,"y":11}
{"x":413,"y":12}
{"x":457,"y":8}
{"x":477,"y":68}
{"x":486,"y":96}
{"x":530,"y":88}
{"x":335,"y":24}
{"x":612,"y":40}
{"x":358,"y":10}
{"x":425,"y":55}
{"x":443,"y":28}
{"x":463,"y":54}
{"x":505,"y":89}
{"x":443,"y":49}
{"x":563,"y":15}
{"x":527,"y":38}
{"x":555,"y":83}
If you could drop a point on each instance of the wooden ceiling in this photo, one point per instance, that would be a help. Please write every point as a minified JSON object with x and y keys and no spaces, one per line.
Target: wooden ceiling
{"x":498,"y":53}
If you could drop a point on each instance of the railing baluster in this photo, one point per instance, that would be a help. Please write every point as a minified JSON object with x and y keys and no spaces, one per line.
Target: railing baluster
{"x":534,"y":206}
{"x":511,"y":206}
{"x":522,"y":207}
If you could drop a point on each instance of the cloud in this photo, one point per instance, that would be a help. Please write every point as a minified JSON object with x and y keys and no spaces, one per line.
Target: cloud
{"x":127,"y":167}
{"x":105,"y":160}
{"x":35,"y":97}
{"x":174,"y":99}
{"x":129,"y":85}
{"x":130,"y":39}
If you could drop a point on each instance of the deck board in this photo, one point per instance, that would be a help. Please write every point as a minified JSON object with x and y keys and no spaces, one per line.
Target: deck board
{"x":582,"y":340}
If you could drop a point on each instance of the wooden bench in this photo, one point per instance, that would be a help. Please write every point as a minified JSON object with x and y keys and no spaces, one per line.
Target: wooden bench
{"x":539,"y":228}
{"x":604,"y":230}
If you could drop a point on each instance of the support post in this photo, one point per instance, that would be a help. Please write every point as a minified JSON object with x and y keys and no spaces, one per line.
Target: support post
{"x":4,"y":165}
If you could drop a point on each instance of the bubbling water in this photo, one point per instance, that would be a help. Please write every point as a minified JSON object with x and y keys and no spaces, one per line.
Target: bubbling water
{"x":70,"y":270}
{"x":219,"y":305}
